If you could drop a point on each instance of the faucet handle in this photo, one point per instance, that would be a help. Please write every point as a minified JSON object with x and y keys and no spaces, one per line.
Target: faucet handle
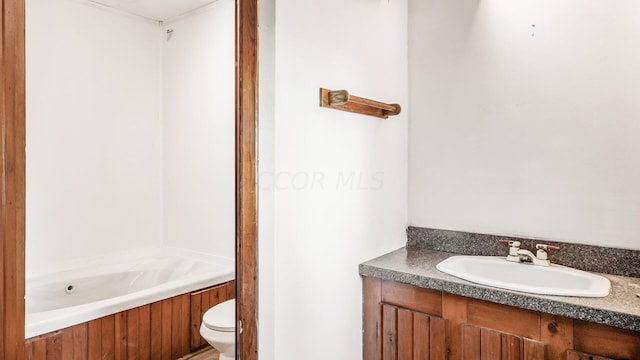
{"x":546,"y":247}
{"x":542,"y":250}
{"x":511,"y":243}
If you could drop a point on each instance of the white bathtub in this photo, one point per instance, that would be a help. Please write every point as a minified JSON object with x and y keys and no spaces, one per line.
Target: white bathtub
{"x":92,"y":289}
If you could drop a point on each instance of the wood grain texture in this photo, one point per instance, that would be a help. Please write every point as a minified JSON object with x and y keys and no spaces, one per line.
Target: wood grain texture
{"x":508,"y":319}
{"x":511,"y":348}
{"x":405,"y":334}
{"x":80,"y":341}
{"x":437,"y":344}
{"x":389,"y":333}
{"x":454,"y":309}
{"x":372,"y":296}
{"x":108,"y":337}
{"x":490,"y":344}
{"x":120,"y":336}
{"x":421,"y":338}
{"x":574,"y":355}
{"x":606,"y":341}
{"x":12,"y":180}
{"x":557,"y":333}
{"x":534,"y":350}
{"x":167,"y":316}
{"x":156,"y":330}
{"x":470,"y":342}
{"x":246,"y":177}
{"x":94,"y":339}
{"x":423,"y":300}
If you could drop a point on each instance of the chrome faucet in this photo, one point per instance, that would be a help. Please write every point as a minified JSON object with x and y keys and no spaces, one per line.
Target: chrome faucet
{"x":521,"y":255}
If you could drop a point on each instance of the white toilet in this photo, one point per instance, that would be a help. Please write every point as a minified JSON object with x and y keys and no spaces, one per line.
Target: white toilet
{"x":219,"y":328}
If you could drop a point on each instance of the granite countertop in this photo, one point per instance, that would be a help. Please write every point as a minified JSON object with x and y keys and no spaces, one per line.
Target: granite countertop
{"x":417,"y":266}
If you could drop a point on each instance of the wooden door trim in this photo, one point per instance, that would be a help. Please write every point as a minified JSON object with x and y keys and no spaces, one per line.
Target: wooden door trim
{"x":12,"y":178}
{"x":246,"y":177}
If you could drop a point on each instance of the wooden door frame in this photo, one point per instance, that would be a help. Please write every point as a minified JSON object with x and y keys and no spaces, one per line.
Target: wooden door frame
{"x":246,"y":178}
{"x":13,"y":177}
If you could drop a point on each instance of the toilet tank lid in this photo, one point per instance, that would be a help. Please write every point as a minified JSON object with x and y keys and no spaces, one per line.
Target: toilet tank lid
{"x":221,"y":317}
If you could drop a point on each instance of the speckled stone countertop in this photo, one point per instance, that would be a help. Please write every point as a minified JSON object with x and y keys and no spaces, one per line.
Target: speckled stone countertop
{"x":417,"y":266}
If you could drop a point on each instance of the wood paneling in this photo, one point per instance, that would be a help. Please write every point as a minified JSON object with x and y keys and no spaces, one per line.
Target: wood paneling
{"x":421,"y":340}
{"x":471,"y":343}
{"x":246,"y":177}
{"x":411,"y":335}
{"x":508,"y":319}
{"x":389,"y":333}
{"x":158,"y":331}
{"x":557,"y":333}
{"x":12,"y":180}
{"x":454,"y":309}
{"x":405,"y":334}
{"x":574,"y":355}
{"x":423,"y":300}
{"x":437,"y":345}
{"x":534,"y":350}
{"x":606,"y":341}
{"x":480,"y":343}
{"x":490,"y":345}
{"x":372,"y":297}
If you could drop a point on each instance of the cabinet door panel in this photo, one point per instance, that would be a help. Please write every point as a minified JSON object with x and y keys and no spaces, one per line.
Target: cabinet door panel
{"x":487,"y":344}
{"x":470,"y":342}
{"x":411,"y":335}
{"x":490,"y":345}
{"x":438,"y":348}
{"x":421,"y":336}
{"x":389,"y":333}
{"x":512,"y":347}
{"x":405,"y":334}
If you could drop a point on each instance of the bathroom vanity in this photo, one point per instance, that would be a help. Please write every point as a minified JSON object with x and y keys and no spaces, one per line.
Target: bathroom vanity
{"x":413,"y":311}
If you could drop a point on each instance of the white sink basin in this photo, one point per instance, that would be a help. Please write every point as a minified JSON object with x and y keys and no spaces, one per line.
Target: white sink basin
{"x":551,"y":280}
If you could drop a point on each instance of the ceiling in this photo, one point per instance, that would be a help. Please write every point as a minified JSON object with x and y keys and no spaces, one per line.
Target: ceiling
{"x":155,"y":9}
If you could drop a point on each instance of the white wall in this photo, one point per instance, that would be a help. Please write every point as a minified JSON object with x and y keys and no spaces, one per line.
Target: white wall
{"x":199,"y":131}
{"x":324,"y":229}
{"x":524,"y":118}
{"x":94,"y":133}
{"x":266,"y":165}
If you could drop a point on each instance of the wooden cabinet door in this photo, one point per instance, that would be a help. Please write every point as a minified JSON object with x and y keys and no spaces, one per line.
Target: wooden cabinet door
{"x":411,"y":335}
{"x":480,"y":343}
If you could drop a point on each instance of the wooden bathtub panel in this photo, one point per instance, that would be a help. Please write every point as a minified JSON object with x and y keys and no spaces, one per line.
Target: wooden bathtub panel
{"x":144,"y":331}
{"x":28,"y":350}
{"x":166,"y":329}
{"x":67,"y":344}
{"x":80,"y":339}
{"x":95,"y":339}
{"x":54,"y":347}
{"x":40,"y":349}
{"x":156,"y":330}
{"x":108,"y":337}
{"x":180,"y":333}
{"x":196,"y":311}
{"x":120,"y":336}
{"x":132,"y":334}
